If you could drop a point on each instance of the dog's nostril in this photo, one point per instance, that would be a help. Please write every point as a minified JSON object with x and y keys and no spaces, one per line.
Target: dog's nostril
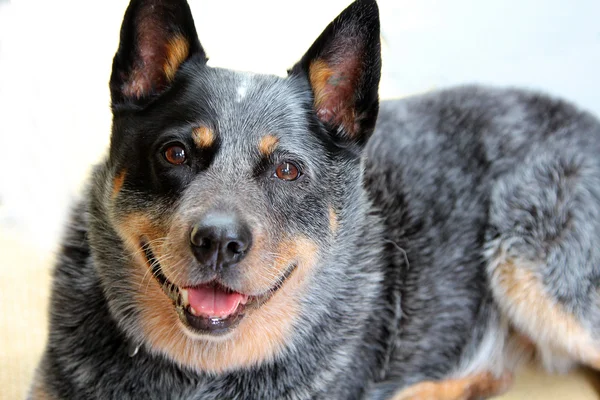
{"x":235,"y":247}
{"x":205,"y":243}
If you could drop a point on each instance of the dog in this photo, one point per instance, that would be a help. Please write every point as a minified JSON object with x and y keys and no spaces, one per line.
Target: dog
{"x":260,"y":237}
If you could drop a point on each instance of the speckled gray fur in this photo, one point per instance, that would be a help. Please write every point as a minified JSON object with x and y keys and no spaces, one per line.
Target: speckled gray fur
{"x":402,"y":290}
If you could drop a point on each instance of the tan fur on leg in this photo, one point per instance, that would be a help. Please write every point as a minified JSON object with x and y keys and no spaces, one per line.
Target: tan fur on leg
{"x":469,"y":388}
{"x":557,"y":334}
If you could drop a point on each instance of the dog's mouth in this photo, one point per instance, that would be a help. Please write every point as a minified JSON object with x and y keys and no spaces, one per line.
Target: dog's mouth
{"x":210,"y":308}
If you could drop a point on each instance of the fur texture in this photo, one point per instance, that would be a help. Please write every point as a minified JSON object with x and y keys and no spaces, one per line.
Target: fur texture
{"x":424,"y":255}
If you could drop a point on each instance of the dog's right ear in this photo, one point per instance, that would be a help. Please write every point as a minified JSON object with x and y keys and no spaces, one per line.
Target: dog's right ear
{"x":157,"y":36}
{"x":343,"y":68}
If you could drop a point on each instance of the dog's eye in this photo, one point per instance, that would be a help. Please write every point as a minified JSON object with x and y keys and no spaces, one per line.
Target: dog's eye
{"x":287,"y":171}
{"x":175,"y":154}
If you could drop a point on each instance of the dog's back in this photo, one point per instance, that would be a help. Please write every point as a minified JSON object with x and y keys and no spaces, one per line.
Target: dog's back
{"x":491,"y":202}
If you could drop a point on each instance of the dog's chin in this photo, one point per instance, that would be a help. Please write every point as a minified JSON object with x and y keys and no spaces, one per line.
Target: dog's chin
{"x":210,"y":310}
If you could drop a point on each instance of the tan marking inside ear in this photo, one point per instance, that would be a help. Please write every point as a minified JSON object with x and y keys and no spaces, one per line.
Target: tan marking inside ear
{"x":472,"y":387}
{"x":268,"y":144}
{"x":522,"y":296}
{"x":177,"y":51}
{"x":203,"y":136}
{"x":319,"y":74}
{"x":261,"y":335}
{"x":118,"y":183}
{"x":333,"y":89}
{"x":333,"y":220}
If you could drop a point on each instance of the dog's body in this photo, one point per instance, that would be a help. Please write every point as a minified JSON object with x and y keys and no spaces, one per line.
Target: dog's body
{"x":362,"y":262}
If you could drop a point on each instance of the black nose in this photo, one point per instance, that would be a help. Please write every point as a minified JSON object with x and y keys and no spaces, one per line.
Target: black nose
{"x":220,"y":239}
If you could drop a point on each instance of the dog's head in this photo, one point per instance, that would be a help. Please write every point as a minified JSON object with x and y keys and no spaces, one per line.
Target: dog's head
{"x":226,"y":191}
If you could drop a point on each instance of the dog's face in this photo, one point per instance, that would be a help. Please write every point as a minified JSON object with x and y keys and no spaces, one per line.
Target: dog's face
{"x":228,"y":189}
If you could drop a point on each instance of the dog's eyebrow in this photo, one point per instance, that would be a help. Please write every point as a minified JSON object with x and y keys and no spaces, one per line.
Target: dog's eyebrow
{"x":207,"y":143}
{"x":267,"y":145}
{"x":203,"y":136}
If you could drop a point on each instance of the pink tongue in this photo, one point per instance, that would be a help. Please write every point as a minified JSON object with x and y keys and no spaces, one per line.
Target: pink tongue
{"x":212,"y":301}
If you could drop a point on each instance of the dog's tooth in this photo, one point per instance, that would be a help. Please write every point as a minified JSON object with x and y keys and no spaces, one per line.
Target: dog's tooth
{"x":193,"y":311}
{"x":244,"y":299}
{"x":184,"y":297}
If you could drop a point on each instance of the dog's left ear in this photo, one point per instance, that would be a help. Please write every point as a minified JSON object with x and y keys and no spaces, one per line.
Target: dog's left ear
{"x":157,"y":37}
{"x":343,"y":68}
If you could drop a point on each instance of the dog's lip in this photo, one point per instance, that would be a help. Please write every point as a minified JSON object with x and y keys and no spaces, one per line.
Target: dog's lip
{"x":170,"y":289}
{"x":208,"y":324}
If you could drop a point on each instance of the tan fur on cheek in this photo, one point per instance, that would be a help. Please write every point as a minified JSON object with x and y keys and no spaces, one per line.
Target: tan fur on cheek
{"x":473,"y":387}
{"x":259,"y":275}
{"x":267,"y":145}
{"x":178,"y":50}
{"x":523,"y":297}
{"x":134,"y":227}
{"x":266,"y":330}
{"x":203,"y":136}
{"x":118,"y":183}
{"x":261,"y":335}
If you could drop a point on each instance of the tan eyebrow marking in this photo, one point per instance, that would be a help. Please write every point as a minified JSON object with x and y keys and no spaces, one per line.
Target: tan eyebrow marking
{"x":267,"y":145}
{"x":203,"y":136}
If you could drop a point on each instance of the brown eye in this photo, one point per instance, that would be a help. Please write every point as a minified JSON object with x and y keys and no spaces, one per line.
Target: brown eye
{"x":287,"y":171}
{"x":175,"y":154}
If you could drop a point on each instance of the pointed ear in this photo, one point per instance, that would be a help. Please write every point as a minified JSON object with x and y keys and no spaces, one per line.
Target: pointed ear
{"x":343,"y":68}
{"x":157,"y":36}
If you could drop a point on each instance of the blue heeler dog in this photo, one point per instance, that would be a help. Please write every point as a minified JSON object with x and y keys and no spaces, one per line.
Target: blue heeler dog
{"x":257,"y":237}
